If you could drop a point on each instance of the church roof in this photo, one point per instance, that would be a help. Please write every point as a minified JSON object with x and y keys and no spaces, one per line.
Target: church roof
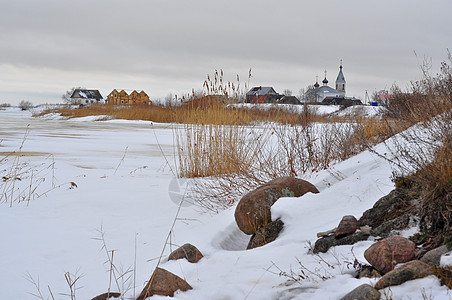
{"x":327,"y":89}
{"x":340,"y":76}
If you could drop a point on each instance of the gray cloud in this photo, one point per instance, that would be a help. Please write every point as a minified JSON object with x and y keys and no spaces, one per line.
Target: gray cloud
{"x":162,"y":46}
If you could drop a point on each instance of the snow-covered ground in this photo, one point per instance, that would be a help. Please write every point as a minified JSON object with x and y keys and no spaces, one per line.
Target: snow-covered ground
{"x":123,"y":171}
{"x":335,"y":110}
{"x":319,"y":109}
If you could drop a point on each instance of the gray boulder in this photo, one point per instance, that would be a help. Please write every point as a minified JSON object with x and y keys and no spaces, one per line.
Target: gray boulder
{"x":411,"y":270}
{"x":363,"y":292}
{"x":433,"y":257}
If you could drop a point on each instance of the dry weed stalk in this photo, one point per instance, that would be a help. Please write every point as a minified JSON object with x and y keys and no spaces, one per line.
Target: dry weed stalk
{"x":35,"y":283}
{"x":21,"y":179}
{"x":117,"y":275}
{"x":71,"y":280}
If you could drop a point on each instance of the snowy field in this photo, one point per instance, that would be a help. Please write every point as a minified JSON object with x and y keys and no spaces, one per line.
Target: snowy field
{"x":334,"y":110}
{"x":122,"y":171}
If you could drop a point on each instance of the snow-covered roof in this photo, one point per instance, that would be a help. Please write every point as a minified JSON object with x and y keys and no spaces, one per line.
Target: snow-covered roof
{"x":327,"y":89}
{"x":261,"y":90}
{"x":87,"y":94}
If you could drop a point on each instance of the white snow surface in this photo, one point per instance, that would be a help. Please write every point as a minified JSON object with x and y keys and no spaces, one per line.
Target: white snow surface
{"x":318,"y":109}
{"x":333,"y":110}
{"x":446,"y":260}
{"x":122,"y":174}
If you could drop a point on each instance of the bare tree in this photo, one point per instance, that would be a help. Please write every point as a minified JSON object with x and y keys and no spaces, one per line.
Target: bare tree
{"x":301,"y":93}
{"x":375,"y":95}
{"x":170,"y":100}
{"x":309,"y":94}
{"x":25,"y":105}
{"x":287,"y":92}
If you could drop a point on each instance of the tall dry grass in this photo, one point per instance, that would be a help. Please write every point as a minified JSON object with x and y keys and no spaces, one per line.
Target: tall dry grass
{"x":236,"y":159}
{"x":428,"y":104}
{"x":205,"y":110}
{"x":423,"y":153}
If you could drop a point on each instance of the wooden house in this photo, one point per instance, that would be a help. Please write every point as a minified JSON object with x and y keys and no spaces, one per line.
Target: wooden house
{"x":289,"y":100}
{"x":144,"y":99}
{"x":134,"y":97}
{"x":122,"y":98}
{"x":345,"y":101}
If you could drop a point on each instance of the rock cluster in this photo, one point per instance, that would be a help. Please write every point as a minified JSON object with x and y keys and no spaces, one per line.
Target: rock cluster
{"x":253,"y":216}
{"x":392,"y":259}
{"x":384,"y":256}
{"x":344,"y":234}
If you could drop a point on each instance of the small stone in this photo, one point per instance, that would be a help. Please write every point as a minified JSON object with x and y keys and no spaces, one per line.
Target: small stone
{"x":433,"y":257}
{"x":363,"y":292}
{"x":188,"y":251}
{"x":347,"y":226}
{"x":266,"y":234}
{"x":326,"y":233}
{"x":106,"y":296}
{"x":369,"y":272}
{"x":366,"y":229}
{"x":411,"y":270}
{"x":163,"y":283}
{"x":325,"y":243}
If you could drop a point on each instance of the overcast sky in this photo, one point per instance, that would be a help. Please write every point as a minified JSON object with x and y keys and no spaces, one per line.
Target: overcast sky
{"x":165,"y":46}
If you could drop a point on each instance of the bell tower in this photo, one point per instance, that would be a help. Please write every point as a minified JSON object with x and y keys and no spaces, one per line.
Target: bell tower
{"x":340,"y":81}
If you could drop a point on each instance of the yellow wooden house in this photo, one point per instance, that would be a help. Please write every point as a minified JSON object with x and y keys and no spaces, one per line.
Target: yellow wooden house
{"x":122,"y":98}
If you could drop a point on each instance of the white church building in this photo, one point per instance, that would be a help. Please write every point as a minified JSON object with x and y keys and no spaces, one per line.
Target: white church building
{"x":325,"y":91}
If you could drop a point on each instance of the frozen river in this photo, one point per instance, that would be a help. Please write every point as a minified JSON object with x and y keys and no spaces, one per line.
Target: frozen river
{"x":79,"y":136}
{"x":121,"y":183}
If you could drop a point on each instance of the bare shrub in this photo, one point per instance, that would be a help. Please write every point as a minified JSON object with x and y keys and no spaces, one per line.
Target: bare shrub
{"x":427,"y":103}
{"x":423,"y":153}
{"x":25,"y":105}
{"x":236,"y":159}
